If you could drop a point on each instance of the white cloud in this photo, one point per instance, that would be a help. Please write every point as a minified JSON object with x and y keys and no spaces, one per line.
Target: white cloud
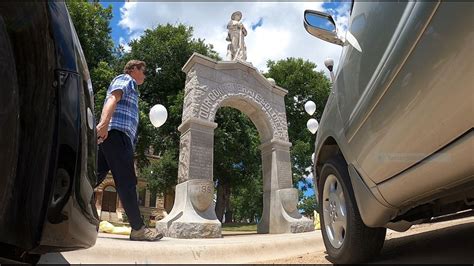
{"x":125,"y":45}
{"x":281,"y":35}
{"x":309,"y":177}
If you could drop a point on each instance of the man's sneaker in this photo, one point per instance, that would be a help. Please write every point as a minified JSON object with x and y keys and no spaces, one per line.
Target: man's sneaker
{"x":145,"y":234}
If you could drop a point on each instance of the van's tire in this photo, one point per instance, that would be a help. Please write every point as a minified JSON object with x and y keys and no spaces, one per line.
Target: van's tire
{"x":352,"y":241}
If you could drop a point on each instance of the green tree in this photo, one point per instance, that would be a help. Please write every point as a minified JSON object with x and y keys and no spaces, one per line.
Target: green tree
{"x":247,"y":200}
{"x":92,"y":23}
{"x":161,"y":173}
{"x":101,"y":76}
{"x":307,"y":206}
{"x":303,"y":83}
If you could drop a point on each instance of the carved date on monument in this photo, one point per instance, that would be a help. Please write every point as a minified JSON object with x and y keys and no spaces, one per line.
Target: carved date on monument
{"x":201,"y":194}
{"x":206,"y":189}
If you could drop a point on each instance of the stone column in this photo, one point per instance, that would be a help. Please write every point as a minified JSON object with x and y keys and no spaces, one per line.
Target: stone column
{"x":280,"y":199}
{"x":193,"y":214}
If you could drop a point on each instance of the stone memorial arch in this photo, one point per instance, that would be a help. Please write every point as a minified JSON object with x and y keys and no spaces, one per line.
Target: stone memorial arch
{"x":209,"y":86}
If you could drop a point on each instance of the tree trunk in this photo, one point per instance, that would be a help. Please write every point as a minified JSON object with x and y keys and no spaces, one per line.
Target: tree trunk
{"x":220,"y":201}
{"x":228,"y":209}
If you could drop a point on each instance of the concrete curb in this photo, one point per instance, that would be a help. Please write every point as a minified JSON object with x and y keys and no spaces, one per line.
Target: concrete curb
{"x":230,"y":249}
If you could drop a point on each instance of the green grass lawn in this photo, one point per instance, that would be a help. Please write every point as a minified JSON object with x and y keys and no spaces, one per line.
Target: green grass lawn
{"x":239,"y":227}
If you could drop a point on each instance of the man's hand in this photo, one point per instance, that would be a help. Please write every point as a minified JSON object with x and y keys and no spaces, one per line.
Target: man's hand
{"x":102,"y":132}
{"x":107,"y":111}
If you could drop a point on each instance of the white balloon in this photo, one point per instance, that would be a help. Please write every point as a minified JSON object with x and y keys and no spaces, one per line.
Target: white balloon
{"x":310,"y":107}
{"x":312,"y":157}
{"x":312,"y":125}
{"x":158,"y":115}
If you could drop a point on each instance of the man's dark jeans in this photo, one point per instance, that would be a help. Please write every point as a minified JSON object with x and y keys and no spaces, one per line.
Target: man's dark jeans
{"x":116,"y":154}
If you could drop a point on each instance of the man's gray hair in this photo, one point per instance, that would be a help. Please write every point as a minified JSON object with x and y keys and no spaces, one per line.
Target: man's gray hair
{"x":133,"y":64}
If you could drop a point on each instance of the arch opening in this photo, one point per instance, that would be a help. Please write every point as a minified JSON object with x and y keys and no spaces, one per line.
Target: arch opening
{"x":237,"y":168}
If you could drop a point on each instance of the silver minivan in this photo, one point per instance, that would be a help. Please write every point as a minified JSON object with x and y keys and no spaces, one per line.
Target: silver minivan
{"x":395,"y":146}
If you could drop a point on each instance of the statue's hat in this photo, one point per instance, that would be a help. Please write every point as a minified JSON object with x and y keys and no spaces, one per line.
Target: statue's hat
{"x":237,"y":15}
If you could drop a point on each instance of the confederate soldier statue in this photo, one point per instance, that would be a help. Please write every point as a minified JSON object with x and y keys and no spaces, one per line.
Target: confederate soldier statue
{"x":236,"y":50}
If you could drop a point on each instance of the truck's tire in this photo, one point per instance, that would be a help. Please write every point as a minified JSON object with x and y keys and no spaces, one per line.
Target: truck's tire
{"x":9,"y":119}
{"x":346,"y":237}
{"x":30,"y":102}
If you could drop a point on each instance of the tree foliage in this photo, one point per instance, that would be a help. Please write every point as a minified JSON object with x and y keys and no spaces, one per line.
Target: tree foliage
{"x":101,"y":76}
{"x":92,"y":23}
{"x":247,"y":200}
{"x":161,"y":173}
{"x":307,"y":206}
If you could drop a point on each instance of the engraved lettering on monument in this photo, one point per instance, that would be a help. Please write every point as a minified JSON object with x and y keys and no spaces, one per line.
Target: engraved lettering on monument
{"x":284,"y":171}
{"x":215,"y":96}
{"x":201,"y":156}
{"x":183,"y":168}
{"x":193,"y":92}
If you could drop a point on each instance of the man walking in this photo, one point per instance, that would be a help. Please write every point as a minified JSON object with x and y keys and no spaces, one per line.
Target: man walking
{"x":117,"y":134}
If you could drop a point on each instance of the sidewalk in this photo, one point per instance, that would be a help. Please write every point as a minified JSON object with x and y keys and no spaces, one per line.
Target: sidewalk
{"x":229,"y":249}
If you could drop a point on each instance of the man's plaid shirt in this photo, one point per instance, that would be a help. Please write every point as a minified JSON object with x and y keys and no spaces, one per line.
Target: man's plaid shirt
{"x":125,"y":117}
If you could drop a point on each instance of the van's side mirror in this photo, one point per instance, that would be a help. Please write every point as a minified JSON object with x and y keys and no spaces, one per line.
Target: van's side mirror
{"x":322,"y":26}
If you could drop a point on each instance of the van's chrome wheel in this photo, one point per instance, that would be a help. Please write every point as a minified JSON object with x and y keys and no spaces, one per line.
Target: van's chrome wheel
{"x":346,"y":238}
{"x":334,"y":211}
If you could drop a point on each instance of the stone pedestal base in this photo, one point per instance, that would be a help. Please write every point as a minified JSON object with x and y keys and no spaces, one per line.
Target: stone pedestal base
{"x":193,"y":214}
{"x":283,"y":215}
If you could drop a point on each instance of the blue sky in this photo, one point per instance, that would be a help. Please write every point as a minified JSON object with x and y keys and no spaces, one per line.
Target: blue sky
{"x":309,"y":191}
{"x":275,"y":30}
{"x":117,"y":31}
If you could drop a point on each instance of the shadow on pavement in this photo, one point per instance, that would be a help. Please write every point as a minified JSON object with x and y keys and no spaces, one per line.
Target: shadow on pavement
{"x":447,"y":245}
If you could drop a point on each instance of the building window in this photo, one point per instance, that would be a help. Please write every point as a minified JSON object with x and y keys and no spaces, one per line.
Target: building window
{"x":152,"y":200}
{"x":141,"y":196}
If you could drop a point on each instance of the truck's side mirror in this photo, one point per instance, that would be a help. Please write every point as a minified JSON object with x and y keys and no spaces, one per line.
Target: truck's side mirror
{"x":322,"y":26}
